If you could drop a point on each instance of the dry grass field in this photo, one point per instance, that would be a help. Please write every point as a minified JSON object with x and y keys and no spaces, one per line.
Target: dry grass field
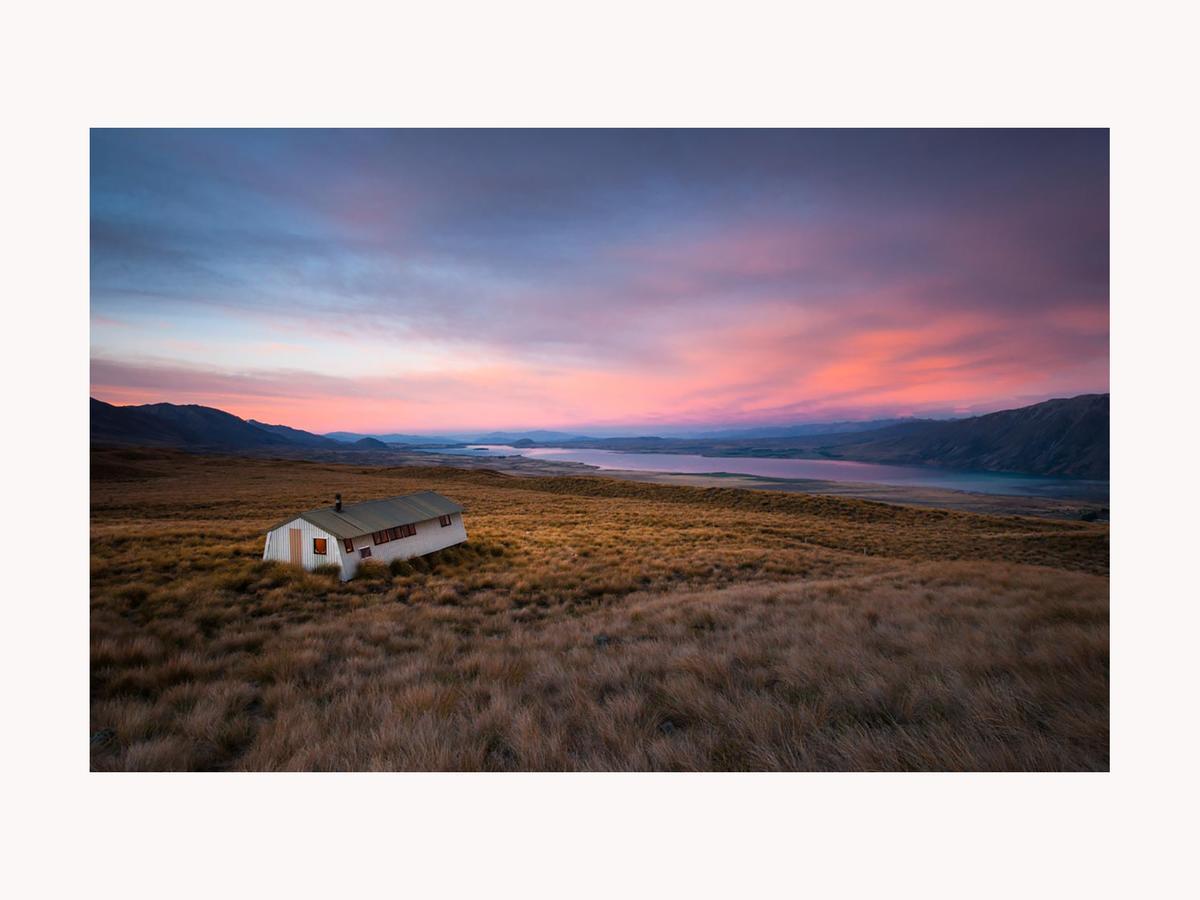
{"x":588,"y":624}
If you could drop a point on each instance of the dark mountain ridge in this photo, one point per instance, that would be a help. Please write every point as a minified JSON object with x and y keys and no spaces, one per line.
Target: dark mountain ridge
{"x":1064,"y":437}
{"x":370,"y":443}
{"x":295,"y":435}
{"x":190,"y":427}
{"x":351,"y":437}
{"x":802,"y":429}
{"x":509,"y":437}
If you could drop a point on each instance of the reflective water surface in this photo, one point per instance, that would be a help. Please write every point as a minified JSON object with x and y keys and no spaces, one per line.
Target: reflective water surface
{"x":820,"y":469}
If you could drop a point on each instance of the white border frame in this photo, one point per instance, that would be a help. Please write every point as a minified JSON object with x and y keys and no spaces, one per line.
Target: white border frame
{"x":72,"y":66}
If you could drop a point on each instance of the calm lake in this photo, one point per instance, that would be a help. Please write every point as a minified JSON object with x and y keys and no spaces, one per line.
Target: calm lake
{"x":819,"y":469}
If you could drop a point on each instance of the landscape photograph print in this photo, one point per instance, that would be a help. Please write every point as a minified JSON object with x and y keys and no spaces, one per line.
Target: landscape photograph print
{"x":599,"y":450}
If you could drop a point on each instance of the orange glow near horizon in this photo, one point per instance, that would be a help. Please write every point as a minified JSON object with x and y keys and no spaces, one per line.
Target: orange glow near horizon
{"x":432,"y":281}
{"x":717,"y":378}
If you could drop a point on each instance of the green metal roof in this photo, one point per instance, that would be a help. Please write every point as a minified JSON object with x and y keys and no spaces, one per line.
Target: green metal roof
{"x":375,"y":515}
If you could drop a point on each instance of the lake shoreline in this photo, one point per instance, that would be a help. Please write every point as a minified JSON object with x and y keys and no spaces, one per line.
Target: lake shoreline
{"x":939,"y":498}
{"x":839,"y":471}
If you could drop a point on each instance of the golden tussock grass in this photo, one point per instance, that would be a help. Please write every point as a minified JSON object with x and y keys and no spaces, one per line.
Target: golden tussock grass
{"x":588,"y":624}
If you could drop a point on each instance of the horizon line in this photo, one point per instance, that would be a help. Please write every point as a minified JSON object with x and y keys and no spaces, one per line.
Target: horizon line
{"x":581,"y":431}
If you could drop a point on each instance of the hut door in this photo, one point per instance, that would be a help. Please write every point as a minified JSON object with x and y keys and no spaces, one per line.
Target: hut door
{"x":297,"y":554}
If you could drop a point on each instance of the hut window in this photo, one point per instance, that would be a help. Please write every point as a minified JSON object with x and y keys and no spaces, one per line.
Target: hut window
{"x":349,"y":544}
{"x":405,"y":531}
{"x":364,"y":552}
{"x":381,"y":537}
{"x":319,"y":546}
{"x":443,"y":521}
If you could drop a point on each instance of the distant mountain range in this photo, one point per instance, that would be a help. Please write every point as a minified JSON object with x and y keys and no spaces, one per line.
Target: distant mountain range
{"x":351,"y":437}
{"x":444,"y":440}
{"x":1058,"y":437}
{"x":192,"y":427}
{"x":293,"y":435}
{"x":1068,"y":438}
{"x":541,"y":437}
{"x":370,"y":443}
{"x":802,"y":430}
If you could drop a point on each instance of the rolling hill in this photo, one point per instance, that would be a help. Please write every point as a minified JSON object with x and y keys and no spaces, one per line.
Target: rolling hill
{"x":295,"y":435}
{"x":788,"y":631}
{"x":370,"y":443}
{"x":803,"y":429}
{"x":352,"y":437}
{"x":190,"y":427}
{"x":1058,"y":437}
{"x":1066,"y":438}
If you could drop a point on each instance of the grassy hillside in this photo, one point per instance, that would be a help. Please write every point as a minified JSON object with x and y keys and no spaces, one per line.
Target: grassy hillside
{"x":588,"y":624}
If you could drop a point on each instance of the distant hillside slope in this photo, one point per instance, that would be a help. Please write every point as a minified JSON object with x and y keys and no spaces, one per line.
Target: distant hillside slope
{"x":1067,"y":438}
{"x":351,"y":437}
{"x":1058,"y":437}
{"x":801,"y":430}
{"x":193,"y":427}
{"x":370,"y":443}
{"x":513,"y":437}
{"x":295,"y":435}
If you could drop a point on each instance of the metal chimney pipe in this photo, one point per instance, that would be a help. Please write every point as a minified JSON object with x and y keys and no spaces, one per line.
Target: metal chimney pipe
{"x":337,"y":505}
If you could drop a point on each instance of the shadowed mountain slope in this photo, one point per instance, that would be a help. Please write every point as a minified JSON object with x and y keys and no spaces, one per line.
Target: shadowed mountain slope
{"x":1057,"y":437}
{"x":1065,"y":438}
{"x":193,"y":427}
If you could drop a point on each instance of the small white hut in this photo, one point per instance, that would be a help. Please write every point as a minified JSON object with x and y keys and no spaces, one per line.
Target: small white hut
{"x":343,"y":536}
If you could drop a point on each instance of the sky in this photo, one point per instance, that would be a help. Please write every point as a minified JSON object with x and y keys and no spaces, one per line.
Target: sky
{"x":426,"y":281}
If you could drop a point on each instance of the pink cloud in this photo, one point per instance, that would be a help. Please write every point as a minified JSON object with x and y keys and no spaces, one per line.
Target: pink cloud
{"x":794,"y":364}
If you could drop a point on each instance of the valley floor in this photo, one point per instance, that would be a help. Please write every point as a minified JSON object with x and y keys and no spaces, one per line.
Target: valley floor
{"x":531,"y":467}
{"x":588,"y":624}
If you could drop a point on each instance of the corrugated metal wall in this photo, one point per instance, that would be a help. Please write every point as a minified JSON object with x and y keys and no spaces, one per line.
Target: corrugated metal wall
{"x":430,"y":536}
{"x":278,"y":545}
